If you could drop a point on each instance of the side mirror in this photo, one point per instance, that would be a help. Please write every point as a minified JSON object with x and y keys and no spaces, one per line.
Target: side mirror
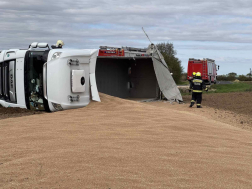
{"x":218,"y":68}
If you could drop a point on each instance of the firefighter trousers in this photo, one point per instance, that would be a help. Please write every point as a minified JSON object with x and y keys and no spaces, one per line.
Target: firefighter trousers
{"x":197,"y":97}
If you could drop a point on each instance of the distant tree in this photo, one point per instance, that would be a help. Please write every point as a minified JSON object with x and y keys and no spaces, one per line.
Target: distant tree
{"x":174,"y":64}
{"x":231,"y":77}
{"x":184,"y":76}
{"x":244,"y":78}
{"x":226,"y":77}
{"x":222,"y":78}
{"x":232,"y":74}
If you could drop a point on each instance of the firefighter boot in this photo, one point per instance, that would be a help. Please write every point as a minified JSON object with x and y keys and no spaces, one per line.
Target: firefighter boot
{"x":191,"y":105}
{"x":199,"y":106}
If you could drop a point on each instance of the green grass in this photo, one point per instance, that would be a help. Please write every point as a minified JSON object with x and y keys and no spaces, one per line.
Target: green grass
{"x":229,"y":88}
{"x":183,"y":83}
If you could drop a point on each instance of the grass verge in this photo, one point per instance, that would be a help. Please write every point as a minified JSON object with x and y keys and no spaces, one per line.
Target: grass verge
{"x":235,"y":87}
{"x":183,"y":83}
{"x":226,"y":88}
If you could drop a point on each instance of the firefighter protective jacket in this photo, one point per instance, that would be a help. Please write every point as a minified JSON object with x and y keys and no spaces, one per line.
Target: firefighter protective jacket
{"x":197,"y":85}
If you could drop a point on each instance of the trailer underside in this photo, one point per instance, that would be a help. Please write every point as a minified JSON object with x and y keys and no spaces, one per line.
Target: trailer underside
{"x":127,"y":77}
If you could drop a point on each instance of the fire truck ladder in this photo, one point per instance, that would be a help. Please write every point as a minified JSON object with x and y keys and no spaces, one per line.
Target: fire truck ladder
{"x":205,"y":73}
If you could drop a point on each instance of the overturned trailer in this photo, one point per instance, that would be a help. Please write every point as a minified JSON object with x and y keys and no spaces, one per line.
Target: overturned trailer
{"x":128,"y":72}
{"x":41,"y":78}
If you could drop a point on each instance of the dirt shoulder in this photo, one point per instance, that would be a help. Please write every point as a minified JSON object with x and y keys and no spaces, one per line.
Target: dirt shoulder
{"x":231,"y":108}
{"x":209,"y":113}
{"x":240,"y":103}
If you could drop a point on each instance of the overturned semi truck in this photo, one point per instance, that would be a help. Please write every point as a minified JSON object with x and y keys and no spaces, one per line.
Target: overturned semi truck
{"x":40,"y":78}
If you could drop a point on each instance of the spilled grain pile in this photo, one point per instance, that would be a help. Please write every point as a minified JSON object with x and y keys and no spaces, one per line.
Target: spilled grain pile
{"x":123,"y":144}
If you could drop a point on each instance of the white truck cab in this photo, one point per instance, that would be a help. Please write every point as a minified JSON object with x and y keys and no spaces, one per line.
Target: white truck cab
{"x":47,"y":79}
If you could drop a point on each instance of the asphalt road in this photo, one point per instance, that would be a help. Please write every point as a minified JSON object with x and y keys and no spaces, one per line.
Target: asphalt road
{"x":218,"y":82}
{"x":223,"y":82}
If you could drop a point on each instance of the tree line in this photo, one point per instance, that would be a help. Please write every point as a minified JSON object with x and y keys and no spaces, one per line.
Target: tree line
{"x":232,"y":76}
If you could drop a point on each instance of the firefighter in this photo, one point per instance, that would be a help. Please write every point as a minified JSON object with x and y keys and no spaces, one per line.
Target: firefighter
{"x":197,"y":85}
{"x":190,"y":81}
{"x":58,"y":45}
{"x":193,"y":76}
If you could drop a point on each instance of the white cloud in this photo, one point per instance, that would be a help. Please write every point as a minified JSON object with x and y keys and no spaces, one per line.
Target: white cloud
{"x":89,"y":24}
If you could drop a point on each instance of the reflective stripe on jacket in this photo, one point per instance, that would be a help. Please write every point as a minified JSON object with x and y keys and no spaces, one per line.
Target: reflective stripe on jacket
{"x":197,"y":91}
{"x":197,"y":85}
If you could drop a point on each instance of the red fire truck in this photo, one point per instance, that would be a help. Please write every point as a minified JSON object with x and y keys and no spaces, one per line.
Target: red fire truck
{"x":206,"y":67}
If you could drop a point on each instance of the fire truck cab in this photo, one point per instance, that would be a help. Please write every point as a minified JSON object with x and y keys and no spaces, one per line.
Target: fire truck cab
{"x":206,"y":67}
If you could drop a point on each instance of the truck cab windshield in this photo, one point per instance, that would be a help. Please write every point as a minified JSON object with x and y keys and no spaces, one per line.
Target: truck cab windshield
{"x":34,"y":80}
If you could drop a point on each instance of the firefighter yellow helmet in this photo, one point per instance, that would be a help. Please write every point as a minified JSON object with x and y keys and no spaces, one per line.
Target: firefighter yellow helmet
{"x":194,"y":73}
{"x":198,"y":74}
{"x":59,"y":43}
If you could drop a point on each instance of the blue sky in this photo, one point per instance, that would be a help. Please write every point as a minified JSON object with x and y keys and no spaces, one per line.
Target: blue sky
{"x":220,"y":30}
